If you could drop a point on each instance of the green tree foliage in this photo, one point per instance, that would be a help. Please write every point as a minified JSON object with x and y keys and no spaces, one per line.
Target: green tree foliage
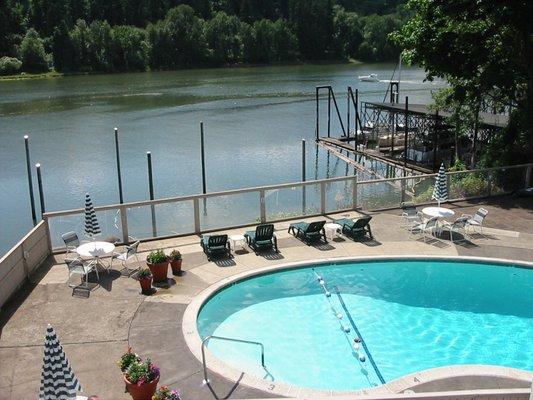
{"x":82,"y":35}
{"x":178,"y":40}
{"x":34,"y":58}
{"x":11,"y":17}
{"x":485,"y":51}
{"x":63,"y":51}
{"x":313,"y":20}
{"x":223,"y":37}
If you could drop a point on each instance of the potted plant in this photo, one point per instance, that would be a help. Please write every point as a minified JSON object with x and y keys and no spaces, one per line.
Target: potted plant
{"x":175,"y":261}
{"x":165,"y":393}
{"x":141,"y":377}
{"x":145,"y":279}
{"x":157,"y":261}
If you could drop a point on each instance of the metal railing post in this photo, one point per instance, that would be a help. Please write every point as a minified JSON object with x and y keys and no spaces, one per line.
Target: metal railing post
{"x":124,"y":225}
{"x":322,"y":198}
{"x":489,"y":183}
{"x":196,"y":206}
{"x":528,"y":176}
{"x":329,"y":112}
{"x":262,"y":206}
{"x":151,"y":190}
{"x":48,"y":233}
{"x":354,"y":193}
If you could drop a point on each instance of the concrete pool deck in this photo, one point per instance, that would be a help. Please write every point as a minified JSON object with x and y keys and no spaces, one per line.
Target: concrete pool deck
{"x":95,"y":330}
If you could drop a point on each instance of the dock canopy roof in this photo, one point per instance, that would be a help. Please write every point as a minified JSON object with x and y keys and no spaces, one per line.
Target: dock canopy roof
{"x":487,"y":119}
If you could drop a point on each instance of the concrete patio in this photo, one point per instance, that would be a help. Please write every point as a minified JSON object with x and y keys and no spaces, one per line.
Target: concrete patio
{"x":97,"y":329}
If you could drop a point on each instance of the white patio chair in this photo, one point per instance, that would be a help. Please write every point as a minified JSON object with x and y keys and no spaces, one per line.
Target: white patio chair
{"x":77,"y":266}
{"x":129,"y":253}
{"x":410,"y":215}
{"x":426,"y":229}
{"x":458,"y":225}
{"x":71,"y":241}
{"x":476,"y":220}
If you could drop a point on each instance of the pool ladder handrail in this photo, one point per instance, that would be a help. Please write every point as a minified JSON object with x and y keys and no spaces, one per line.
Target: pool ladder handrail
{"x":206,"y":379}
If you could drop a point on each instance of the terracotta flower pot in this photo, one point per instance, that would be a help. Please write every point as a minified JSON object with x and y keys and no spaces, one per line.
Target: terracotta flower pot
{"x":146,"y":284}
{"x":159,"y":271}
{"x":143,"y":392}
{"x":176,"y":267}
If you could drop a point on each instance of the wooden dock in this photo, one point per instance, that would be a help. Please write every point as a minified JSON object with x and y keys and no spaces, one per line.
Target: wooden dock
{"x":345,"y":145}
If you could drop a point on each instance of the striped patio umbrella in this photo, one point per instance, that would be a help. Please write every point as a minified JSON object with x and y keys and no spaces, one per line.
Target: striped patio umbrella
{"x":440,"y":192}
{"x":91,"y":223}
{"x":58,"y":382}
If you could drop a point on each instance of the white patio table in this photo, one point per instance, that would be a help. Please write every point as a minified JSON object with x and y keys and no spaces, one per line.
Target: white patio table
{"x":439,"y":212}
{"x":96,"y":250}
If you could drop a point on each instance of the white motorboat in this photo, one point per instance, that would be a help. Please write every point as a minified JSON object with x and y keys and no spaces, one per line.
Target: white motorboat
{"x":369,"y":78}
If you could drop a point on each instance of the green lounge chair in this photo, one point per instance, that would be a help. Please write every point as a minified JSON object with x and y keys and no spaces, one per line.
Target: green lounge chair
{"x":356,"y":229}
{"x":215,"y":244}
{"x":309,"y":231}
{"x":262,"y":237}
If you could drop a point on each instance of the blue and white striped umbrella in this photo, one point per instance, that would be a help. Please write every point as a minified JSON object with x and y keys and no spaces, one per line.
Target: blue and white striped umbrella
{"x":91,"y":223}
{"x":58,"y":382}
{"x":440,"y":192}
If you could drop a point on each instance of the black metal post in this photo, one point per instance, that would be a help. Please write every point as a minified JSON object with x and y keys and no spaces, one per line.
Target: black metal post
{"x":405,"y":140}
{"x":303,"y":178}
{"x":348,"y":110}
{"x":204,"y":186}
{"x":119,"y":175}
{"x":435,"y":140}
{"x":40,"y":185}
{"x":329,"y":111}
{"x":357,"y":120}
{"x":317,"y":122}
{"x":30,"y":182}
{"x":151,"y":189}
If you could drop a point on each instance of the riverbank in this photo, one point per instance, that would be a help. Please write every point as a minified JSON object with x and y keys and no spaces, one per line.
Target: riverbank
{"x":56,"y":74}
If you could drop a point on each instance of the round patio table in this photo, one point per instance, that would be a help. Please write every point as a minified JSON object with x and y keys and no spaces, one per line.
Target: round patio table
{"x":95,"y":249}
{"x":439,"y":212}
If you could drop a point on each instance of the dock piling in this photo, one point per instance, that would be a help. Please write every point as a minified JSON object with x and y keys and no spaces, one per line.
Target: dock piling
{"x":30,"y":181}
{"x":40,"y":185}
{"x":119,"y":175}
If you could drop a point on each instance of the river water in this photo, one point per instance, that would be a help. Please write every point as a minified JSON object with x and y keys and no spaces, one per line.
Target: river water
{"x":254,"y":121}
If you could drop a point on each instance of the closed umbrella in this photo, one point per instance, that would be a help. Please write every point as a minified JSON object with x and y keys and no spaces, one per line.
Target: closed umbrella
{"x":58,"y":382}
{"x":91,"y":223}
{"x":440,"y":192}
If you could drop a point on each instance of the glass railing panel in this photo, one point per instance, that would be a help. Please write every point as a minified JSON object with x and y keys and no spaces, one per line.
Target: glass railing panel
{"x":230,"y":210}
{"x":292,"y":202}
{"x":419,"y":189}
{"x":109,"y":222}
{"x":468,"y":184}
{"x":507,"y":180}
{"x":376,"y":195}
{"x":339,"y":195}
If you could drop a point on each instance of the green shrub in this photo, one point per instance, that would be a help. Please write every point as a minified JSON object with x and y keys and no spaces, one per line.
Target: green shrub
{"x":156,"y":257}
{"x":10,"y":65}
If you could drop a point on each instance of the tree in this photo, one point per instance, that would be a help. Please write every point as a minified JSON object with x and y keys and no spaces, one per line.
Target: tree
{"x":178,"y":40}
{"x":81,"y":41}
{"x":313,"y":21}
{"x":376,"y":44}
{"x":33,"y":56}
{"x":130,"y":49}
{"x":485,"y":51}
{"x":222,"y":33}
{"x":11,"y":17}
{"x":100,"y":50}
{"x":64,"y":56}
{"x":347,"y":35}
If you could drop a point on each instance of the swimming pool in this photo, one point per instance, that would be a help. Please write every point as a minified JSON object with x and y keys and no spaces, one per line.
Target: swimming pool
{"x":347,"y":326}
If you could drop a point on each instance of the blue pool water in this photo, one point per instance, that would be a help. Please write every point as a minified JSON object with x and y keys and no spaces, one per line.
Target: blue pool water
{"x":412,"y":315}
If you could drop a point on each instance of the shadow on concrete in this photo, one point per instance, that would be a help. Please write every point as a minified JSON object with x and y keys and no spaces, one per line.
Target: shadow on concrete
{"x":225,"y":262}
{"x":270,"y":255}
{"x":230,"y":392}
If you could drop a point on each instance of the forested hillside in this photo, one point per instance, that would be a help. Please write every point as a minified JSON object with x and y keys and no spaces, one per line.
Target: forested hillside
{"x":136,"y":35}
